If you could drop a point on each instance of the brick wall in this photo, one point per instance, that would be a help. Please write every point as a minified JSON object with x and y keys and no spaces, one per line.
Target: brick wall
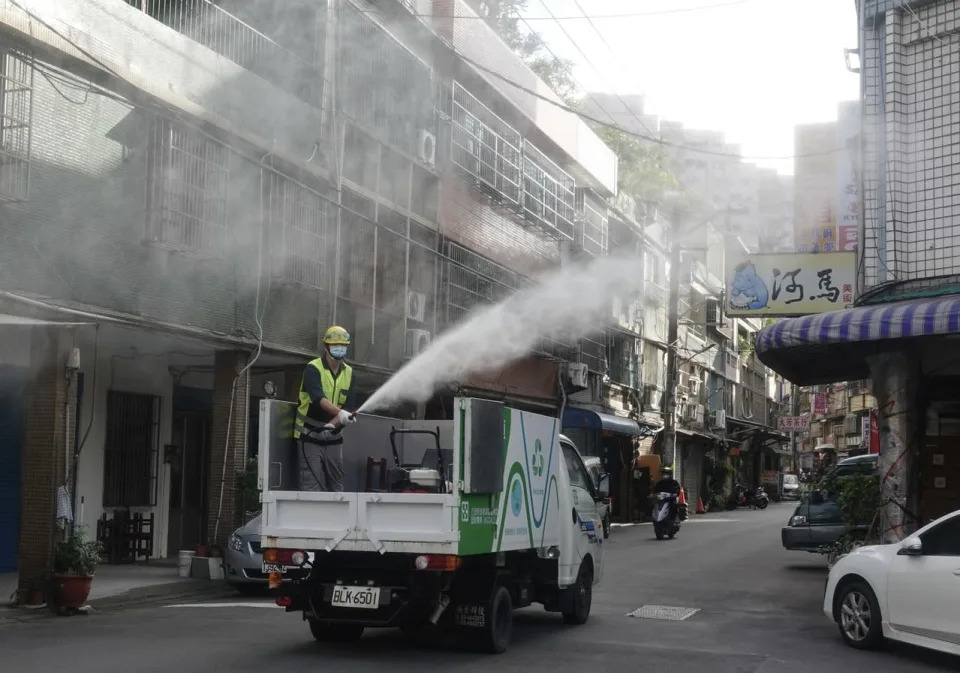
{"x":227,"y":364}
{"x":469,"y":218}
{"x":46,"y":434}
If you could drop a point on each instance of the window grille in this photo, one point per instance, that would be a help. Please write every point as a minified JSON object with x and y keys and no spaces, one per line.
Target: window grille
{"x":298,"y":232}
{"x":593,"y":352}
{"x":16,"y":117}
{"x":549,"y":200}
{"x":131,"y":450}
{"x":485,"y":147}
{"x":624,"y":356}
{"x":593,"y":227}
{"x":382,"y":85}
{"x":188,"y":176}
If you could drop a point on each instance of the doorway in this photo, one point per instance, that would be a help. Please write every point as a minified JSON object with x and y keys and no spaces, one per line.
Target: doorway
{"x":188,"y":456}
{"x":12,"y":382}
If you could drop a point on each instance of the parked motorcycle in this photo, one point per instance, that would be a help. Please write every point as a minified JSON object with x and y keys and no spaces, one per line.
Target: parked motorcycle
{"x":741,"y":498}
{"x":665,"y":521}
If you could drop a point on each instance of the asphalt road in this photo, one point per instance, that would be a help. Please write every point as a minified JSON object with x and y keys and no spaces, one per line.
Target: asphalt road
{"x":759,"y":612}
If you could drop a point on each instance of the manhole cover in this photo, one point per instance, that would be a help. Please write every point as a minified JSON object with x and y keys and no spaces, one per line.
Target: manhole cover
{"x":665,"y":612}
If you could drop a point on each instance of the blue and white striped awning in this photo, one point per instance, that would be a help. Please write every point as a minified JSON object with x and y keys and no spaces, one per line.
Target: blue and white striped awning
{"x":800,"y":348}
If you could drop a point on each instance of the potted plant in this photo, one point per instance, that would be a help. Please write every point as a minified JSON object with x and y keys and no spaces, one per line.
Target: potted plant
{"x":74,"y":563}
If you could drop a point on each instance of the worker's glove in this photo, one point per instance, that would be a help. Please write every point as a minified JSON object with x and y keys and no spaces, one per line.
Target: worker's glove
{"x":346,"y":418}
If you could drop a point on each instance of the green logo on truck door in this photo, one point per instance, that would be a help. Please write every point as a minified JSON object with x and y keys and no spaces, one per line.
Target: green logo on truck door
{"x":537,"y":462}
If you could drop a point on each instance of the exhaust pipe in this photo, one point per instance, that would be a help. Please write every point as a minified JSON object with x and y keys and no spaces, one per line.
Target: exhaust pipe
{"x":439,"y":609}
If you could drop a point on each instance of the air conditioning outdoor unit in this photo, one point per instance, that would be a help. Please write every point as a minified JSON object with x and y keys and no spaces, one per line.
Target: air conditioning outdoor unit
{"x":416,"y":305}
{"x":720,"y":418}
{"x":577,"y":375}
{"x":417,"y":340}
{"x":427,"y":148}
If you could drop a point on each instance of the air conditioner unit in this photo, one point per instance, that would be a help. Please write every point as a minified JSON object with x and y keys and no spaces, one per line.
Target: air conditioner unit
{"x":417,"y":341}
{"x":577,"y":375}
{"x":720,"y":418}
{"x":850,"y":424}
{"x":416,"y":305}
{"x":427,"y":148}
{"x":654,"y":397}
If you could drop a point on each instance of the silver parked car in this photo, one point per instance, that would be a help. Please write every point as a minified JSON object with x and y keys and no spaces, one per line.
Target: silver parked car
{"x":791,"y":487}
{"x":595,"y":467}
{"x":242,"y":560}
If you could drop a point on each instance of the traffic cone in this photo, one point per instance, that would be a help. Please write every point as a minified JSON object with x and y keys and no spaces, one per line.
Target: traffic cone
{"x":682,"y":500}
{"x":700,"y":508}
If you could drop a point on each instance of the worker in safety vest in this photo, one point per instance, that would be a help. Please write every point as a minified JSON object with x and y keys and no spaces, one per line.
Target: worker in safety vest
{"x":325,"y":391}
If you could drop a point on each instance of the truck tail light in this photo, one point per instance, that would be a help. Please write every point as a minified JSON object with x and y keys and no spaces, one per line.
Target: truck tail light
{"x":440,"y":562}
{"x":285,"y":557}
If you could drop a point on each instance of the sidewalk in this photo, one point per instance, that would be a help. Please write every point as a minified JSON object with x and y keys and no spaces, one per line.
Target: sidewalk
{"x":117,"y":586}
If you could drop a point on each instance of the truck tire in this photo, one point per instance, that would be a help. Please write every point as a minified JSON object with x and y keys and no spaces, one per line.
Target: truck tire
{"x":335,"y":633}
{"x":494,"y":636}
{"x":581,"y":598}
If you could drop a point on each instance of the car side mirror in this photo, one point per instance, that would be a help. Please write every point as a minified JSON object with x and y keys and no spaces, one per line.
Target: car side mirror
{"x":816,"y":497}
{"x":912,"y":546}
{"x":604,"y":487}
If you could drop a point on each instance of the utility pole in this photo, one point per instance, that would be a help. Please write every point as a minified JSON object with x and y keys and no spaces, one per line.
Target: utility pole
{"x":670,"y":404}
{"x":794,"y":411}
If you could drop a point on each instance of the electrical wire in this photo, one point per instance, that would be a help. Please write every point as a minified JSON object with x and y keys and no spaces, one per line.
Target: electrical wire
{"x":905,"y":4}
{"x":619,"y":15}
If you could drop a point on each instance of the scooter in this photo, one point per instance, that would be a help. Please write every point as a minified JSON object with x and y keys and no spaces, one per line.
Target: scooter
{"x":740,"y":498}
{"x":663,"y":523}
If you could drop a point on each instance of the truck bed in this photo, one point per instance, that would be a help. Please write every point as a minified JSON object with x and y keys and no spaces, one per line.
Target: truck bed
{"x":420,"y":523}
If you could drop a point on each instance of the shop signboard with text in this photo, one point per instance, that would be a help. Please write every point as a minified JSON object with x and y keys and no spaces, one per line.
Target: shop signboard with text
{"x":789,"y":284}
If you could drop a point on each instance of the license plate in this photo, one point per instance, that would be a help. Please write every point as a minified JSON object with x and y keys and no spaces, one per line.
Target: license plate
{"x":355,"y":597}
{"x":269,"y":567}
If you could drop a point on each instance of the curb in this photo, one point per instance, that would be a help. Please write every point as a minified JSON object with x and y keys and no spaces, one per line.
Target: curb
{"x":135,"y":598}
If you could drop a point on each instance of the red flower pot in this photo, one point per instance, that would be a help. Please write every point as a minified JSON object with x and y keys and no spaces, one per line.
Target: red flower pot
{"x":73,"y":590}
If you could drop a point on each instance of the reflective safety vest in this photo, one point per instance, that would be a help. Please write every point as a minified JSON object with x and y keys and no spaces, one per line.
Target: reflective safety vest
{"x":335,"y":390}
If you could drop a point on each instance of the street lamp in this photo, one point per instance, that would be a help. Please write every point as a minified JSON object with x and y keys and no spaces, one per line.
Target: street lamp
{"x":673,"y":302}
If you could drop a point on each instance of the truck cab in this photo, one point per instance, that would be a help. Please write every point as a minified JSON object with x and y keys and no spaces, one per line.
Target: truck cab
{"x":445,"y":526}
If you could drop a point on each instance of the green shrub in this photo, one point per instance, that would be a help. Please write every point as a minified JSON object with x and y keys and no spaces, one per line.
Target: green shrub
{"x":76,"y":555}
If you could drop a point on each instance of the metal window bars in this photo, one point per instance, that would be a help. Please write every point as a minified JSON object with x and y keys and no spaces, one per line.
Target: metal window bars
{"x":299,"y":225}
{"x":623,"y":360}
{"x":593,"y":229}
{"x":485,"y":147}
{"x":131,"y":450}
{"x":473,"y":281}
{"x":549,"y":199}
{"x":188,"y":177}
{"x":593,"y":352}
{"x":16,"y":121}
{"x":220,"y":31}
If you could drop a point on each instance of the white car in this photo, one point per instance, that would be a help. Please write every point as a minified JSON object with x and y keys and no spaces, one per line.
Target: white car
{"x":907,"y":591}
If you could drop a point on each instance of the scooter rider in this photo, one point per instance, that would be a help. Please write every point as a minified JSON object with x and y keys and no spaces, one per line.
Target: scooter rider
{"x":667,"y":484}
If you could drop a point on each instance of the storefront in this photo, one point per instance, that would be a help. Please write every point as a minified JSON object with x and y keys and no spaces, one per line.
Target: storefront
{"x":613,"y":439}
{"x":910,"y":351}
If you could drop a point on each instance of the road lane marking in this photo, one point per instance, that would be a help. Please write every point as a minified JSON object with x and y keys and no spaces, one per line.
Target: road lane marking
{"x":223,"y":605}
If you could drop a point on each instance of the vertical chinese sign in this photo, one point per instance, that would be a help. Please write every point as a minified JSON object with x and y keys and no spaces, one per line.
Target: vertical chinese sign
{"x":848,"y":202}
{"x":820,"y":403}
{"x":789,"y":284}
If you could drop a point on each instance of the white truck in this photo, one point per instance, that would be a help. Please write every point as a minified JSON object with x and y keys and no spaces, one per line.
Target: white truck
{"x":447,"y":525}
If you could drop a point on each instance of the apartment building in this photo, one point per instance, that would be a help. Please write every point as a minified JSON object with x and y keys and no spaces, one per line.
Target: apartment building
{"x":192,"y":192}
{"x":907,"y":260}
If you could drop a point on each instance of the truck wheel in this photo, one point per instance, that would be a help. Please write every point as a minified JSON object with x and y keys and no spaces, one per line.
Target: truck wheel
{"x":494,"y":637}
{"x":335,"y":633}
{"x":581,"y":599}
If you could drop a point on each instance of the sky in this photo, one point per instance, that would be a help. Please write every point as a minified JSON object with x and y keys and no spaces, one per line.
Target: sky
{"x":753,"y":69}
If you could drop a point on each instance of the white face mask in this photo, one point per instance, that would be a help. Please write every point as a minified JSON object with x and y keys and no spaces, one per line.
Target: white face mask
{"x":338,"y":352}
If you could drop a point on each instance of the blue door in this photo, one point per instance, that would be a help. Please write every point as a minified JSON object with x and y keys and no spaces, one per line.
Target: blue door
{"x":11,"y":428}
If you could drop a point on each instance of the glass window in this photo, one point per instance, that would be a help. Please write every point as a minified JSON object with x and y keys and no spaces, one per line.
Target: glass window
{"x":578,"y":473}
{"x":826,"y":512}
{"x":944,"y":540}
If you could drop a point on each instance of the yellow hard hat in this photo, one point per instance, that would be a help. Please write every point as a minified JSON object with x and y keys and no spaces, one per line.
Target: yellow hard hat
{"x":336,"y":336}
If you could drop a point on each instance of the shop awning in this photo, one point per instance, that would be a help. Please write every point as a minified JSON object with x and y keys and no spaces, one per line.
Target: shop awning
{"x":834,"y":346}
{"x":592,"y":420}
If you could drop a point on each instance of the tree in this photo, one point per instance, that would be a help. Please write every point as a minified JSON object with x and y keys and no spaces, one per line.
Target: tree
{"x":504,"y":17}
{"x":644,"y":166}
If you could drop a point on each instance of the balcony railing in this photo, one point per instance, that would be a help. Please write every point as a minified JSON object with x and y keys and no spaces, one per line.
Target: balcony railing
{"x":204,"y":22}
{"x":593,"y":227}
{"x":549,"y":200}
{"x":485,"y":146}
